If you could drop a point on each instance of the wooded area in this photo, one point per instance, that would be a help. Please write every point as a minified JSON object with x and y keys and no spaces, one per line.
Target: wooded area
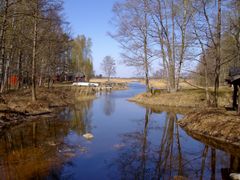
{"x":180,"y":34}
{"x":36,"y":46}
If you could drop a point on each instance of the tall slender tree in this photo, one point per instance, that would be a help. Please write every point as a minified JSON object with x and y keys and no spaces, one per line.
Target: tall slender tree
{"x":132,"y":24}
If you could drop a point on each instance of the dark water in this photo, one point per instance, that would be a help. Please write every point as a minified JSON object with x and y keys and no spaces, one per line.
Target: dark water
{"x":130,"y":142}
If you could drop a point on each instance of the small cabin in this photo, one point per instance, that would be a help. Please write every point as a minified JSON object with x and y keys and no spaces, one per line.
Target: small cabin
{"x":234,"y":80}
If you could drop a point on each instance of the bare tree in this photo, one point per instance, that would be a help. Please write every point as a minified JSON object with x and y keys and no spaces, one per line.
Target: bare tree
{"x":169,"y":30}
{"x":204,"y":61}
{"x":108,"y":66}
{"x":132,"y":24}
{"x":208,"y":34}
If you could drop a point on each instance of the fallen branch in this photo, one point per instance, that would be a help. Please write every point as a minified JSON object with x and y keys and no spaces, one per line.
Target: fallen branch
{"x":39,"y":113}
{"x":198,"y":87}
{"x":11,"y":111}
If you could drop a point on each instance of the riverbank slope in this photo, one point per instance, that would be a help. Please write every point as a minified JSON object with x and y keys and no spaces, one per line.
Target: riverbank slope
{"x":192,"y":98}
{"x":201,"y":122}
{"x":17,"y":106}
{"x":218,"y":124}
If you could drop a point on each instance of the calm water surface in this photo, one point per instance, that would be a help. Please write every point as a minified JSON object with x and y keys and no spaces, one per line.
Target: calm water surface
{"x":130,"y":142}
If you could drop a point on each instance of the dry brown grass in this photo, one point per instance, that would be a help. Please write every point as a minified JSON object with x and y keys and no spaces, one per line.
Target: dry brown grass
{"x":21,"y":100}
{"x":184,"y":98}
{"x":216,"y":123}
{"x":162,"y":84}
{"x":114,"y":80}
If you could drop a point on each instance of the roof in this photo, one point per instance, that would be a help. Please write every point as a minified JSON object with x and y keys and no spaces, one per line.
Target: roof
{"x":234,"y":74}
{"x":233,"y":71}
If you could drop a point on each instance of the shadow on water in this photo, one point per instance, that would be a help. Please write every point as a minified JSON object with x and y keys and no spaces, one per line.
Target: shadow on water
{"x":130,"y":142}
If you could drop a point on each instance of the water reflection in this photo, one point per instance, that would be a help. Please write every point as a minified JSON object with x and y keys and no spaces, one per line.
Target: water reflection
{"x":37,"y":149}
{"x":134,"y":143}
{"x":81,"y":118}
{"x":133,"y":155}
{"x":31,"y":151}
{"x":142,"y":157}
{"x":109,"y":104}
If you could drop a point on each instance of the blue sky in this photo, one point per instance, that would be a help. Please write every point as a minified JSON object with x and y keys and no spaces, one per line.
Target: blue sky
{"x":91,"y":18}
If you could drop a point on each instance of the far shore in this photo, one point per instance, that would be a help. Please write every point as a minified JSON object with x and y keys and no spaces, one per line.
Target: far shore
{"x":16,"y":107}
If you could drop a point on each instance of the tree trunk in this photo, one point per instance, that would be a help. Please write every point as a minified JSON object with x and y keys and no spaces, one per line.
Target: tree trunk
{"x":173,"y":43}
{"x":5,"y":75}
{"x":238,"y":100}
{"x":206,"y":83}
{"x":172,"y":76}
{"x":183,"y":32}
{"x":2,"y":41}
{"x":34,"y":59}
{"x":19,"y":70}
{"x":218,"y":58}
{"x":234,"y":97}
{"x":40,"y":83}
{"x":145,"y":48}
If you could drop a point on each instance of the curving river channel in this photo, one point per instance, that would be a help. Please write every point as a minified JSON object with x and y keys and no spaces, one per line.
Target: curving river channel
{"x":130,"y":142}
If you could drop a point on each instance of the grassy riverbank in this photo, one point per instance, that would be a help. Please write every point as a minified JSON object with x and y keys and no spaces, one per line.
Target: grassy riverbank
{"x":17,"y":106}
{"x":185,"y":98}
{"x":217,"y":124}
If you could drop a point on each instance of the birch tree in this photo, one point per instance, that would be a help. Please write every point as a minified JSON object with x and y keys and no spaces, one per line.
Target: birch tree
{"x":169,"y":29}
{"x":132,"y":24}
{"x":208,"y":23}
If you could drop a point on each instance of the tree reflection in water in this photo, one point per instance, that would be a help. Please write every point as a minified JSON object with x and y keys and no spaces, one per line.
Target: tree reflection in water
{"x":82,"y":117}
{"x":37,"y":149}
{"x":143,"y":158}
{"x":133,"y":158}
{"x":109,"y":104}
{"x":32,"y":150}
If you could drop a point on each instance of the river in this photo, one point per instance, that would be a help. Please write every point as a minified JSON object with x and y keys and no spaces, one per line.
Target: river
{"x":130,"y":142}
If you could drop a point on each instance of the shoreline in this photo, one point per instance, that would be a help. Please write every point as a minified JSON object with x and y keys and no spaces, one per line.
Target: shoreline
{"x":215,"y":124}
{"x":16,"y":107}
{"x":188,"y":98}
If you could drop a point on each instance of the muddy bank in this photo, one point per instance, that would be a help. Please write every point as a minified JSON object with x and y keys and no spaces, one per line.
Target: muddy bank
{"x":216,"y":124}
{"x":16,"y":107}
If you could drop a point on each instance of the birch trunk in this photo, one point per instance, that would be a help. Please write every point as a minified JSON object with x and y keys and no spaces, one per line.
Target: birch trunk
{"x":33,"y":78}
